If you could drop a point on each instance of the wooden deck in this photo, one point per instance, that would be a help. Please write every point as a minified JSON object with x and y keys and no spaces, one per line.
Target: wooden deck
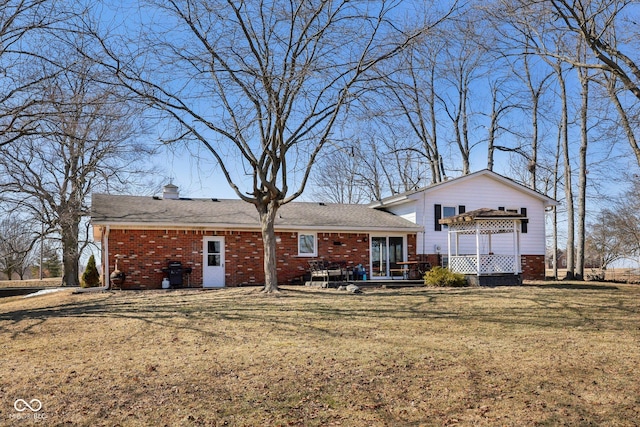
{"x":383,"y":283}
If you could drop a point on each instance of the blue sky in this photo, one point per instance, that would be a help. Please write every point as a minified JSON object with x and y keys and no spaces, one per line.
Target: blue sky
{"x":197,"y":174}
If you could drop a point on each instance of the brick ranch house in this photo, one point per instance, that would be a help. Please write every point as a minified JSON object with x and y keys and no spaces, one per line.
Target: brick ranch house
{"x":221,"y":243}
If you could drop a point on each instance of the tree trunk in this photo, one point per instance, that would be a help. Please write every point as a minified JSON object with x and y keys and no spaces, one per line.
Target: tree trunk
{"x":466,"y":165}
{"x":267,"y":212}
{"x":437,"y":174}
{"x":582,"y":178}
{"x":70,"y":255}
{"x":533,"y":161}
{"x":490,"y":151}
{"x":493,"y":123}
{"x":556,"y":180}
{"x":568,"y":191}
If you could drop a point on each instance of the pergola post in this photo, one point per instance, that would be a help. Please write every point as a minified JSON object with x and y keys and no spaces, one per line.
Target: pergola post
{"x":477,"y":248}
{"x":448,"y":249}
{"x":516,"y":248}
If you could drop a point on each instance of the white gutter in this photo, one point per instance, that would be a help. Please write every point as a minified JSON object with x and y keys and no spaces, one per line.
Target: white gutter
{"x":409,"y":228}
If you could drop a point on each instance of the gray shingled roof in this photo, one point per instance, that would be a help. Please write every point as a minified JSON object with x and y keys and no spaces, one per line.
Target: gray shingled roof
{"x":236,"y":214}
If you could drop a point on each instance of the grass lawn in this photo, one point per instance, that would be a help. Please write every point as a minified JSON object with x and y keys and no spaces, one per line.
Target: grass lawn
{"x":553,"y":354}
{"x":32,"y":283}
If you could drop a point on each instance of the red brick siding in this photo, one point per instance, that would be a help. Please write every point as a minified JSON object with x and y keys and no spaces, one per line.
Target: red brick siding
{"x":146,"y":252}
{"x":532,"y":267}
{"x":432,"y":259}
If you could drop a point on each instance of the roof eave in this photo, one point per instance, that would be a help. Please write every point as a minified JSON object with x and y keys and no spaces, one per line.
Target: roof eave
{"x":236,"y":227}
{"x":390,"y":201}
{"x":403,"y":197}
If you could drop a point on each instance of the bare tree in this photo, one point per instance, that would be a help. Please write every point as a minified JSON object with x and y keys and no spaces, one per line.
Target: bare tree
{"x":626,"y":118}
{"x":22,"y":22}
{"x":535,"y":91}
{"x":583,"y":75}
{"x":261,"y":84}
{"x":567,"y":169}
{"x":602,"y":244}
{"x":627,"y":218}
{"x":607,"y":28}
{"x":411,"y":88}
{"x":599,"y":23}
{"x":336,"y":177}
{"x":501,"y":105}
{"x":517,"y":27}
{"x":85,"y":139}
{"x":616,"y":233}
{"x":372,"y":171}
{"x":556,"y":180}
{"x":462,"y":59}
{"x":16,"y":243}
{"x":550,"y":42}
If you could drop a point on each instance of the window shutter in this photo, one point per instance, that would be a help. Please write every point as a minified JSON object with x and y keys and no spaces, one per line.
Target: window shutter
{"x":461,"y":209}
{"x":437,"y":214}
{"x":525,"y":222}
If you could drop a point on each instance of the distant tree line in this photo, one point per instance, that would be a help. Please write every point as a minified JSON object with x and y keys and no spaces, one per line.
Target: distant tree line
{"x":24,"y":257}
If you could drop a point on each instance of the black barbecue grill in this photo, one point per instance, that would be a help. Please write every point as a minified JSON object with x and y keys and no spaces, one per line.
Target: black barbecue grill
{"x":176,"y":272}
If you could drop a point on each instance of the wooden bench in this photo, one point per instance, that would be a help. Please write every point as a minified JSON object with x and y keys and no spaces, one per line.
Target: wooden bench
{"x":403,"y":273}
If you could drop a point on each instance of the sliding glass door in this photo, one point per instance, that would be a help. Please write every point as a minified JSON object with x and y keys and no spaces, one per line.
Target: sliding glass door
{"x":386,"y":252}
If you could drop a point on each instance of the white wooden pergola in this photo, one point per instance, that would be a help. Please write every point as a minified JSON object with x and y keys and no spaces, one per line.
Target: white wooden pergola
{"x":478,"y":223}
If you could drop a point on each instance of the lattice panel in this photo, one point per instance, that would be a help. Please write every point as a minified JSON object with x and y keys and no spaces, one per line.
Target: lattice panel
{"x":463,"y":264}
{"x":492,"y":226}
{"x":489,"y":264}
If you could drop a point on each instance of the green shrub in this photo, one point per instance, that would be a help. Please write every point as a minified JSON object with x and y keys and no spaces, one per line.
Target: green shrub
{"x":442,"y":277}
{"x":91,"y":276}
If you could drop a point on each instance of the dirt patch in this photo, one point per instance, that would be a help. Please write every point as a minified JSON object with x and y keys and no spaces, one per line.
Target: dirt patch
{"x":512,"y":356}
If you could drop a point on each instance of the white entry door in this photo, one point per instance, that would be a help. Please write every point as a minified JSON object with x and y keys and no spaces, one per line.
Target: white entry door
{"x":213,"y":264}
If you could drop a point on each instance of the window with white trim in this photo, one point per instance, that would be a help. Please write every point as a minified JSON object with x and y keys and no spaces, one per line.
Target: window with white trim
{"x":307,"y":244}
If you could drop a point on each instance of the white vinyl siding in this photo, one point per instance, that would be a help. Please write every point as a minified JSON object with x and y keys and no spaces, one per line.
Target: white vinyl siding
{"x":479,"y":192}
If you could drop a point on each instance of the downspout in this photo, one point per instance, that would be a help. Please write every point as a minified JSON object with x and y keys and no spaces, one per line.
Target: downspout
{"x":105,"y":249}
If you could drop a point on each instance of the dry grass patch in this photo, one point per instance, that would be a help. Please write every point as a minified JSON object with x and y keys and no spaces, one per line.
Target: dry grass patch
{"x":534,"y":355}
{"x":32,"y":283}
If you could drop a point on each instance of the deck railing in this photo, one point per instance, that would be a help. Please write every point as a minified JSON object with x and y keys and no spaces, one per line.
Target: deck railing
{"x":489,"y":264}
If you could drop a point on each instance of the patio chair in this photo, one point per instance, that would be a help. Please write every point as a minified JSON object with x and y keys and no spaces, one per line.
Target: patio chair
{"x":325,"y":271}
